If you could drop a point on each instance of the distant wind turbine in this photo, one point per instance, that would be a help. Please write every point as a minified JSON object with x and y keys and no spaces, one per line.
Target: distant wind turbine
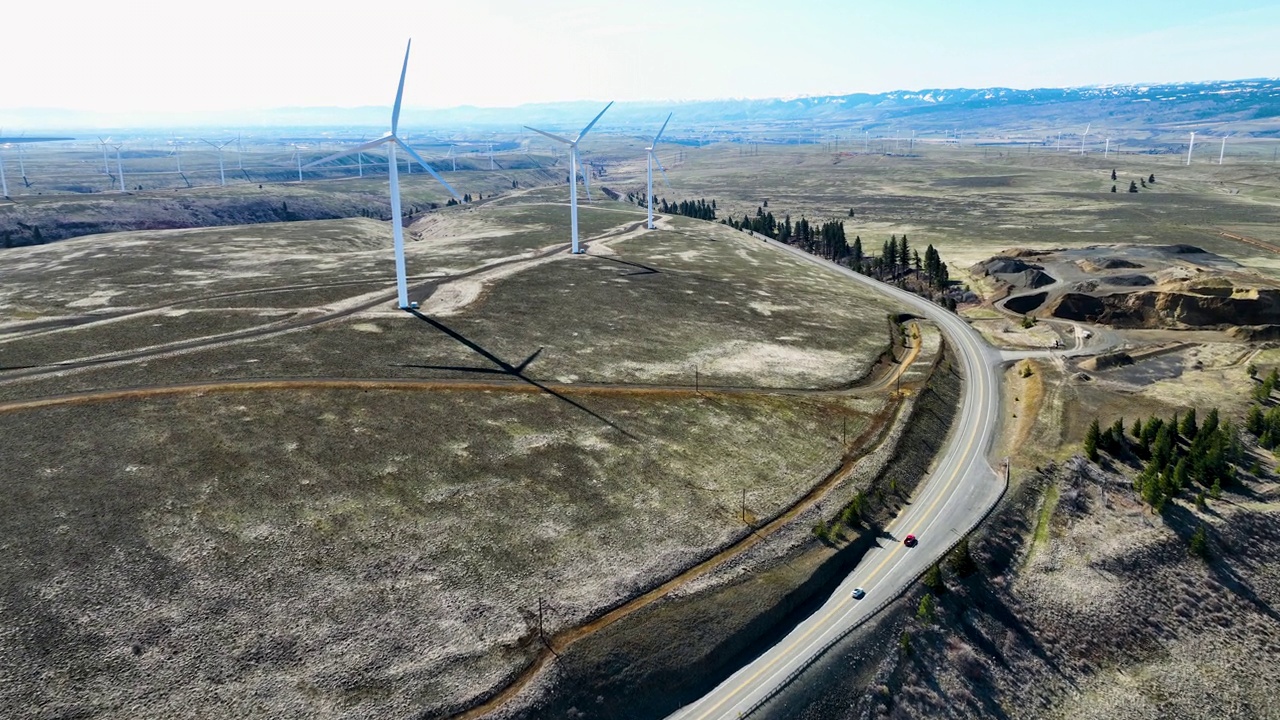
{"x":653,"y":160}
{"x":119,"y":166}
{"x":1223,"y":151}
{"x":573,"y":172}
{"x":222,"y":172}
{"x":1085,"y":136}
{"x":392,"y":141}
{"x":4,"y":183}
{"x":1191,"y":145}
{"x":1107,"y":150}
{"x":106,"y":170}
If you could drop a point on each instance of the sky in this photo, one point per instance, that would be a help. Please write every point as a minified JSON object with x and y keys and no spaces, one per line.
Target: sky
{"x":196,"y":56}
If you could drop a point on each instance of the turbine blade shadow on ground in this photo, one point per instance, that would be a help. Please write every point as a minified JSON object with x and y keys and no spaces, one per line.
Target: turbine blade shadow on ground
{"x":516,"y":371}
{"x":643,"y":269}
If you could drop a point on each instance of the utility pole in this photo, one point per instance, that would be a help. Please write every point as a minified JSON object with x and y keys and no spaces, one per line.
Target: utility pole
{"x":695,"y":381}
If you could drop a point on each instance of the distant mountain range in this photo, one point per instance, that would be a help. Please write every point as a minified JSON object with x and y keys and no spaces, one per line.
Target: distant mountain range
{"x":1255,"y":103}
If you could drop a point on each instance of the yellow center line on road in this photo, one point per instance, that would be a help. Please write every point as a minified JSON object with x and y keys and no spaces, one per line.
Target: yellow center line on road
{"x":840,"y":606}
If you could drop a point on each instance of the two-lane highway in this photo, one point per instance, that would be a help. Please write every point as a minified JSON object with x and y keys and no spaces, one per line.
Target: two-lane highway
{"x":958,"y":493}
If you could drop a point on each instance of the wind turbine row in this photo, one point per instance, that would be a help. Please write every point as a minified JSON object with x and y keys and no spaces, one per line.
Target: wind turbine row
{"x":392,"y":141}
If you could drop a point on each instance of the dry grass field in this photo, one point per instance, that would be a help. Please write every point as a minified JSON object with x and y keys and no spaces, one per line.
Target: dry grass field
{"x":290,"y":552}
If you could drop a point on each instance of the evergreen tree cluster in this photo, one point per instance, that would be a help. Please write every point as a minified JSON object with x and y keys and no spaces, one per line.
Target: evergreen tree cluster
{"x":699,"y":209}
{"x":1262,"y":423}
{"x":1173,"y":453}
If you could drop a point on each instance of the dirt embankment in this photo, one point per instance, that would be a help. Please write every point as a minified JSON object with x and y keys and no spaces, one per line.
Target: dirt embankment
{"x":1085,"y":606}
{"x":672,"y":652}
{"x":1172,"y":309}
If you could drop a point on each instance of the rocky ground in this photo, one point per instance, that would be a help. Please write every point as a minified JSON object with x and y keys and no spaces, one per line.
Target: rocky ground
{"x":1084,"y":605}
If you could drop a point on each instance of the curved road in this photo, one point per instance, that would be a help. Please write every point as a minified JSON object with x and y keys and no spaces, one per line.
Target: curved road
{"x":958,"y":493}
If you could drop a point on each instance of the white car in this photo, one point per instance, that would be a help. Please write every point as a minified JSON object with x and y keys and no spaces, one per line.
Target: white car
{"x":859,"y":593}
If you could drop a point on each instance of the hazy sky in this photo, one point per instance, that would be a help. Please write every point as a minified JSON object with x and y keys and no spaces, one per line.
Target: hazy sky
{"x":197,"y":55}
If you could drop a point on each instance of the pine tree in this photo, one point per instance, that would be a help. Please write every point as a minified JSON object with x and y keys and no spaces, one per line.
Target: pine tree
{"x":961,"y":560}
{"x":1117,"y":432}
{"x":925,"y":612}
{"x":1188,"y":427}
{"x":933,"y":580}
{"x":1200,"y":543}
{"x":1091,"y":440}
{"x":1253,"y":421}
{"x":1113,"y":175}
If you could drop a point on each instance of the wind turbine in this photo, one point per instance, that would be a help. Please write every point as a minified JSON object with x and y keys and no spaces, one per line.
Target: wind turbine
{"x":653,"y":160}
{"x":1085,"y":136}
{"x":1190,"y":146}
{"x":221,"y":170}
{"x":119,"y":167}
{"x":4,"y":183}
{"x":573,"y":172}
{"x":104,"y":141}
{"x":1107,"y":150}
{"x":1223,"y":151}
{"x":392,"y":141}
{"x":297,"y":156}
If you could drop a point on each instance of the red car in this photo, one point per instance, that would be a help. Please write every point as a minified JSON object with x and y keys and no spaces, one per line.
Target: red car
{"x":910,"y":541}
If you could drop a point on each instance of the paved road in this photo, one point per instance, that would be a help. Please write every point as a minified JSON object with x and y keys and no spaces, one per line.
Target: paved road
{"x":959,"y":491}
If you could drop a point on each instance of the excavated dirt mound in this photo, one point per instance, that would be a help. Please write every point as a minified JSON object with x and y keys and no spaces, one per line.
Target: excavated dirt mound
{"x":1032,"y":279}
{"x":1099,"y":264}
{"x":1130,"y":280}
{"x":1107,"y":361}
{"x":1154,"y":309}
{"x":1256,"y":333}
{"x":1000,"y":265}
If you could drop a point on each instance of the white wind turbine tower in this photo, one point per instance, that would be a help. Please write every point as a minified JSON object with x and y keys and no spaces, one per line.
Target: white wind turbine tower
{"x":573,"y":172}
{"x":221,"y":170}
{"x":1107,"y":150}
{"x":297,"y":157}
{"x":106,"y":170}
{"x":1085,"y":136}
{"x":119,"y":166}
{"x":1190,"y":146}
{"x":392,"y":141}
{"x":1223,"y":151}
{"x":653,"y":160}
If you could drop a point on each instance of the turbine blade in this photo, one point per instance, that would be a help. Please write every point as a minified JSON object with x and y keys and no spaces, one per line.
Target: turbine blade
{"x":206,"y":142}
{"x":663,"y":170}
{"x":344,"y":153}
{"x":664,"y":128}
{"x":557,"y":138}
{"x":587,"y":129}
{"x":395,"y":111}
{"x":414,"y":154}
